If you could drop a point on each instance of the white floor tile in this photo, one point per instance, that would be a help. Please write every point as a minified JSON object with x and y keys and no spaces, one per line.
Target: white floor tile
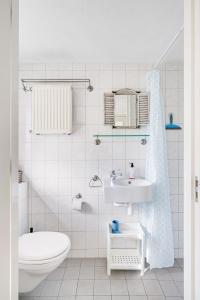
{"x":57,"y":274}
{"x":138,"y":298}
{"x":162,"y":274}
{"x":102,"y":297}
{"x":118,"y":287}
{"x":85,"y":287}
{"x":102,"y":287}
{"x":86,"y":272}
{"x":51,"y":288}
{"x":152,"y":288}
{"x":72,"y":272}
{"x":135,"y":287}
{"x":169,"y":289}
{"x":101,"y":273}
{"x":68,"y":288}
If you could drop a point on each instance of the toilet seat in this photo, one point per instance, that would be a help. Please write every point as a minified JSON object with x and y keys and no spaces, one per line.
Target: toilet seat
{"x":42,"y":247}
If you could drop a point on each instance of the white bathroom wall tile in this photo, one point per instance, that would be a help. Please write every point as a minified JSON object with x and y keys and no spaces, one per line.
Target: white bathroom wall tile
{"x":79,"y":115}
{"x":105,"y":168}
{"x":119,"y":78}
{"x":38,"y":206}
{"x":132,"y":150}
{"x":59,"y":167}
{"x":119,"y":150}
{"x":64,"y":169}
{"x":173,"y":168}
{"x":78,"y":169}
{"x":38,"y":222}
{"x":37,"y":169}
{"x":77,"y":253}
{"x":181,"y":203}
{"x":104,"y":207}
{"x":105,"y":79}
{"x":79,"y":240}
{"x":172,"y":150}
{"x":171,"y":97}
{"x":180,"y":168}
{"x":51,"y":169}
{"x":102,"y":239}
{"x":37,"y":187}
{"x":94,"y":77}
{"x":92,"y":240}
{"x":176,"y":239}
{"x":119,"y":164}
{"x":92,"y":204}
{"x":78,"y":222}
{"x":78,"y":151}
{"x":171,"y":79}
{"x":92,"y":168}
{"x":132,"y":79}
{"x":180,"y":186}
{"x":105,"y":150}
{"x":174,"y":203}
{"x":175,"y":217}
{"x":64,"y":151}
{"x":64,"y":186}
{"x":79,"y":97}
{"x":92,"y":152}
{"x":91,"y":223}
{"x":142,"y":80}
{"x":103,"y":221}
{"x":79,"y":132}
{"x":37,"y":151}
{"x":52,"y":205}
{"x":52,"y":222}
{"x":65,"y":204}
{"x":78,"y":186}
{"x":173,"y":186}
{"x":93,"y":115}
{"x":180,"y":75}
{"x":51,"y":151}
{"x":92,"y":253}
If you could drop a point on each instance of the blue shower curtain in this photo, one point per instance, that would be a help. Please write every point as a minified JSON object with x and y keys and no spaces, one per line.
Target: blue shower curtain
{"x":156,"y":216}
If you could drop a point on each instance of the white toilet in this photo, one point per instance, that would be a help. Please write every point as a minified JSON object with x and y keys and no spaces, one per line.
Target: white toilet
{"x":39,"y":254}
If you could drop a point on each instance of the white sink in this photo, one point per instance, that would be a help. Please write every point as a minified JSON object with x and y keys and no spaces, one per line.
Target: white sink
{"x":123,"y":190}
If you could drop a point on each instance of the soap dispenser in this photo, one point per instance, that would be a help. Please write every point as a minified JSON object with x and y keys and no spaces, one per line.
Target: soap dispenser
{"x":132,"y":171}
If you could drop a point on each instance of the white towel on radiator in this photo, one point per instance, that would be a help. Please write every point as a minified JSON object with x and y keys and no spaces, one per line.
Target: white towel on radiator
{"x":52,"y":109}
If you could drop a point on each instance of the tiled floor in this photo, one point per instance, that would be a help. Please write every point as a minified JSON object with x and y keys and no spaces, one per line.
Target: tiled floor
{"x":86,"y":279}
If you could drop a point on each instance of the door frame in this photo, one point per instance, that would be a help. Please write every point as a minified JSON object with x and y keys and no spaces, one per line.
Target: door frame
{"x":9,"y":149}
{"x":191,"y":148}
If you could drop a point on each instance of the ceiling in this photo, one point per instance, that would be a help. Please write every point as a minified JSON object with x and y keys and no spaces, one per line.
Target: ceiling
{"x":99,"y":30}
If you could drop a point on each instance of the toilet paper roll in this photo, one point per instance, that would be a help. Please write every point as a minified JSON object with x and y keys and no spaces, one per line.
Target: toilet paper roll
{"x":77,"y":204}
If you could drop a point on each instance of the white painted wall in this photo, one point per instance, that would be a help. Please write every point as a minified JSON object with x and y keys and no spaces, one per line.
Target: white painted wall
{"x":8,"y":152}
{"x":58,"y":167}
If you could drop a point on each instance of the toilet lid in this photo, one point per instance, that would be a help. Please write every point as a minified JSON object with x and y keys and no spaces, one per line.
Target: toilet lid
{"x":42,"y":245}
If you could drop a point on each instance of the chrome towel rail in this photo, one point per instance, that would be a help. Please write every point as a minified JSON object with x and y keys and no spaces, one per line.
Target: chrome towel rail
{"x":72,"y":80}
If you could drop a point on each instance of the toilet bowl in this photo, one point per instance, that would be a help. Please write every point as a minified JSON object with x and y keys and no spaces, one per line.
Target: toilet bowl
{"x":39,"y":254}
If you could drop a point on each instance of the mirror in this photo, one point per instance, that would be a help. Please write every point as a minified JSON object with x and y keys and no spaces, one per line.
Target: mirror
{"x":126,"y":108}
{"x":125,"y":111}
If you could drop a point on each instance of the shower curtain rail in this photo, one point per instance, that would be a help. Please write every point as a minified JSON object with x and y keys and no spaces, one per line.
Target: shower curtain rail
{"x":156,"y":65}
{"x":72,"y":80}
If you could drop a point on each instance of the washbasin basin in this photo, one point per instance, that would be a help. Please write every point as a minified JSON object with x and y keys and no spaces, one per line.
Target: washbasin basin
{"x":124,"y":190}
{"x":131,"y":182}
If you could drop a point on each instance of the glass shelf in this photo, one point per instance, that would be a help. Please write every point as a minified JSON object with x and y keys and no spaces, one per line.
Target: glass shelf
{"x":120,"y":135}
{"x":142,"y":136}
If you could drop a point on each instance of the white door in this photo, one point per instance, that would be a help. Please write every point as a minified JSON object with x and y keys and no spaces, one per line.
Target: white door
{"x":192,"y":150}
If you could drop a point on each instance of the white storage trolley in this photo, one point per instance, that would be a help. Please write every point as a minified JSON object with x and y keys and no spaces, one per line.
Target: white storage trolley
{"x":126,"y":250}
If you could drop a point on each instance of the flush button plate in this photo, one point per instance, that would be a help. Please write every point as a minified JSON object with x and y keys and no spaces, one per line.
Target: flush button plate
{"x":196,"y":188}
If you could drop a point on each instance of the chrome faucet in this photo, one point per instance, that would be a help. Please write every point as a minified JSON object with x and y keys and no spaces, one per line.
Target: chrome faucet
{"x":114,"y":174}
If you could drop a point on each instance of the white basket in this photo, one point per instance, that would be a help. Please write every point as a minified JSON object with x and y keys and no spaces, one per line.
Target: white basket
{"x":120,"y":257}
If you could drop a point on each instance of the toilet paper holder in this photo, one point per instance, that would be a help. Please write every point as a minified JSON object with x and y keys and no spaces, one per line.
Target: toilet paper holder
{"x":77,"y":196}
